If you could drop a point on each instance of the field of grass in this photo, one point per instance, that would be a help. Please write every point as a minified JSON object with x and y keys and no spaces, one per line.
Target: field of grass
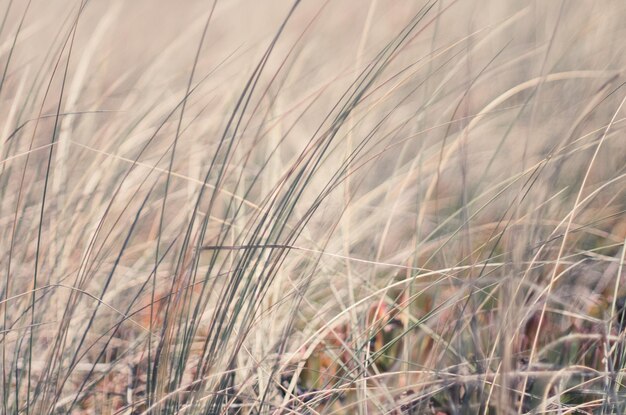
{"x":312,"y":207}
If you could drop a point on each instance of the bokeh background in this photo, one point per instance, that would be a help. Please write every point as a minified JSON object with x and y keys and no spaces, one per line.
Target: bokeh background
{"x":312,"y":206}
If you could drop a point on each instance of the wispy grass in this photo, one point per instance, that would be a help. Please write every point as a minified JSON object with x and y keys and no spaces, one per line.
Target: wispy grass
{"x":312,"y":207}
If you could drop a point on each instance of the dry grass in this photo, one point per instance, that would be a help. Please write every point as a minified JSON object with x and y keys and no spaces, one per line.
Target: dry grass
{"x":312,"y":207}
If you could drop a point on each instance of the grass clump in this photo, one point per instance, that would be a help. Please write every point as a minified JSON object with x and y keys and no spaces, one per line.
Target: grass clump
{"x":301,"y":207}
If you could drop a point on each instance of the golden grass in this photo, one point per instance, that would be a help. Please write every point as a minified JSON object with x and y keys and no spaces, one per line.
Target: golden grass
{"x":306,"y":207}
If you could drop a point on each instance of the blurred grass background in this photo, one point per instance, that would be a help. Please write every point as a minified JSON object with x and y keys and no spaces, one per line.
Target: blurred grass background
{"x":324,"y":207}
